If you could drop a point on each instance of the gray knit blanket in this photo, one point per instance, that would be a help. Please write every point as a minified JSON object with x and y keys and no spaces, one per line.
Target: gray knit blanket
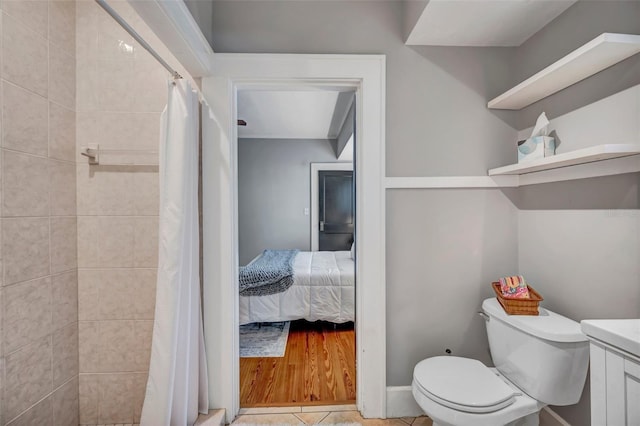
{"x":271,"y":273}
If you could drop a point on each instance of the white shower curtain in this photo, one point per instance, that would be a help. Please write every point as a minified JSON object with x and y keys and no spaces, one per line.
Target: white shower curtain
{"x":177,"y":387}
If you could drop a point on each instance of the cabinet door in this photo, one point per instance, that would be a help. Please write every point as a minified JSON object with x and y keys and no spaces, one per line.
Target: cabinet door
{"x":632,"y":391}
{"x":616,"y":401}
{"x":598,"y":385}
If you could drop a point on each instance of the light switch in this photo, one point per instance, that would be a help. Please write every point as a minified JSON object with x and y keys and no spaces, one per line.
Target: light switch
{"x":306,"y":211}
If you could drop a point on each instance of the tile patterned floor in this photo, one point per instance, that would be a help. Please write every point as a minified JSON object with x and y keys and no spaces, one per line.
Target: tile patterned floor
{"x":300,"y":418}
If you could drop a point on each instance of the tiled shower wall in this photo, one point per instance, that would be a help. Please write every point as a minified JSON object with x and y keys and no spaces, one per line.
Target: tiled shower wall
{"x":38,"y":295}
{"x":121,"y":93}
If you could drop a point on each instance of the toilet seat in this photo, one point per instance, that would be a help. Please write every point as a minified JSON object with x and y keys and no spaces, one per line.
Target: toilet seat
{"x":462,"y":384}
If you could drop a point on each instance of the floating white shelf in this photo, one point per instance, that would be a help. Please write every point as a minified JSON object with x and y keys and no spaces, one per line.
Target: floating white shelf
{"x":580,"y":156}
{"x":602,"y":52}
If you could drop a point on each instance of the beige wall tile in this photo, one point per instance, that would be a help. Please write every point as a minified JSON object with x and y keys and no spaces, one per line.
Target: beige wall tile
{"x":85,"y":28}
{"x":115,"y":290}
{"x":86,"y":95}
{"x":86,"y":126}
{"x":115,"y":398}
{"x":88,"y":292}
{"x":144,"y":294}
{"x":28,"y":376}
{"x":62,"y":77}
{"x":62,"y":131}
{"x":115,"y":241}
{"x":88,"y":242}
{"x":145,"y":244}
{"x":117,"y":343}
{"x":114,"y":94}
{"x":25,"y":248}
{"x":104,"y":192}
{"x":89,"y":346}
{"x":145,"y":194}
{"x":88,"y":390}
{"x":109,"y":33}
{"x":1,"y":344}
{"x":139,"y":391}
{"x":62,"y":24}
{"x":40,"y":414}
{"x":151,"y":90}
{"x":2,"y":416}
{"x":119,"y":130}
{"x":1,"y":66}
{"x":26,"y":185}
{"x":143,"y":331}
{"x":126,"y":294}
{"x":62,"y":190}
{"x":66,"y":404}
{"x":27,"y":313}
{"x":24,"y":56}
{"x":32,"y":13}
{"x":64,"y":242}
{"x":65,"y":354}
{"x":24,"y":120}
{"x":64,"y":290}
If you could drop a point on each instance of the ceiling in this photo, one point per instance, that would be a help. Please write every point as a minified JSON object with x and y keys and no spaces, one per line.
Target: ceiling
{"x":483,"y":22}
{"x":292,"y":114}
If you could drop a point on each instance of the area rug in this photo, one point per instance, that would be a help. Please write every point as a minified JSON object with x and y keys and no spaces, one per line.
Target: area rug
{"x":264,"y":339}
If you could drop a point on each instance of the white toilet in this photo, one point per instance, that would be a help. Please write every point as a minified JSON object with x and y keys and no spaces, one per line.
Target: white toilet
{"x":539,"y":360}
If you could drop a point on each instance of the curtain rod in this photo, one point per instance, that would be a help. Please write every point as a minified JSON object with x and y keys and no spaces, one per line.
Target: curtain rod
{"x":103,"y":4}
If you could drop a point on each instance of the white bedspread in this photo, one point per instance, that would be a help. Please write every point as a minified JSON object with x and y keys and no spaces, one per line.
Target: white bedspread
{"x":323,"y":289}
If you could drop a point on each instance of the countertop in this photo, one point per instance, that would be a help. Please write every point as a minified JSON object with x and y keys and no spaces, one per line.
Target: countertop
{"x":621,"y":333}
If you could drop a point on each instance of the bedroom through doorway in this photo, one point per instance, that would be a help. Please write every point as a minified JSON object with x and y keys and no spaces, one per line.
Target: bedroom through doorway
{"x":296,"y":233}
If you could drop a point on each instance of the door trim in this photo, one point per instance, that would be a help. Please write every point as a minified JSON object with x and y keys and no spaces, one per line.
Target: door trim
{"x":315,"y":207}
{"x":232,"y":72}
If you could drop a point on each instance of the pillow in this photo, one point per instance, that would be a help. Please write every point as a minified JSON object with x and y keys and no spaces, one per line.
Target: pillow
{"x":353,"y":251}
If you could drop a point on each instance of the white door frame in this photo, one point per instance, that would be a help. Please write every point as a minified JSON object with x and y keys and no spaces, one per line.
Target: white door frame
{"x":315,"y":205}
{"x":231,"y":72}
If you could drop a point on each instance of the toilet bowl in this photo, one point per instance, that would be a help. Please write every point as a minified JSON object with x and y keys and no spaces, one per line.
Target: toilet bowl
{"x":487,"y":400}
{"x":539,"y":360}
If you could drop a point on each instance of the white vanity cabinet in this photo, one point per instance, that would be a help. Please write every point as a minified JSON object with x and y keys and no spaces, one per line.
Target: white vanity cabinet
{"x":615,"y":371}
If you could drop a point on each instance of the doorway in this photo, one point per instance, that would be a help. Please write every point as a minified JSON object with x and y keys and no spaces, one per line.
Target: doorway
{"x":233,"y":72}
{"x":336,"y":203}
{"x":296,"y":305}
{"x":345,"y":170}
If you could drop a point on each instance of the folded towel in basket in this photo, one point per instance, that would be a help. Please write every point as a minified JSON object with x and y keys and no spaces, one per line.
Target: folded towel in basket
{"x":514,"y":287}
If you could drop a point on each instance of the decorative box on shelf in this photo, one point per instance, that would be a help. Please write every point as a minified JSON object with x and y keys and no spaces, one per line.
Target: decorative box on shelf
{"x":514,"y":306}
{"x":535,"y":148}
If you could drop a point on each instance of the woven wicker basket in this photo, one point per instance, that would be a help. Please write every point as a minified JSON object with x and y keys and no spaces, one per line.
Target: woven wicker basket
{"x":518,"y":306}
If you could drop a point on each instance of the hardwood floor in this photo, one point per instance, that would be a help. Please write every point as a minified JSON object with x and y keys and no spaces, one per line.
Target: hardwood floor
{"x":318,"y":368}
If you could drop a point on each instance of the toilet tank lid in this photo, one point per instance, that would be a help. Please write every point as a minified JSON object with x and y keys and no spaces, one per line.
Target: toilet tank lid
{"x":547,"y":325}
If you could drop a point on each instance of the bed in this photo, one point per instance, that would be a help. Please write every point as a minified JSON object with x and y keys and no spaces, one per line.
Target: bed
{"x":323,"y":289}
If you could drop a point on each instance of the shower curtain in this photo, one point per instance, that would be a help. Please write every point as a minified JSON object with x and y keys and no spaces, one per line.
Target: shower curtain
{"x":177,"y":387}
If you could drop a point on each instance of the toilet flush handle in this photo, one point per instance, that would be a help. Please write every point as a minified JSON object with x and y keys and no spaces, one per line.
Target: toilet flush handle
{"x":483,"y":315}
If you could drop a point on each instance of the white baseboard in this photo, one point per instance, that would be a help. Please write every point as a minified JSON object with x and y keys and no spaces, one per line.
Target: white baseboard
{"x":400,"y":403}
{"x":548,"y":417}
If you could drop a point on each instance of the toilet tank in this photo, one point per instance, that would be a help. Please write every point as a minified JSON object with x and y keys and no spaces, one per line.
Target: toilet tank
{"x":546,"y":356}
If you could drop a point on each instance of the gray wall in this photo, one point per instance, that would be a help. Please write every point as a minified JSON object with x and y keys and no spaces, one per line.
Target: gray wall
{"x":579,"y":242}
{"x":273,"y":190}
{"x":441,"y":242}
{"x":437,"y":121}
{"x":582,"y":22}
{"x":444,"y":247}
{"x":437,"y":124}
